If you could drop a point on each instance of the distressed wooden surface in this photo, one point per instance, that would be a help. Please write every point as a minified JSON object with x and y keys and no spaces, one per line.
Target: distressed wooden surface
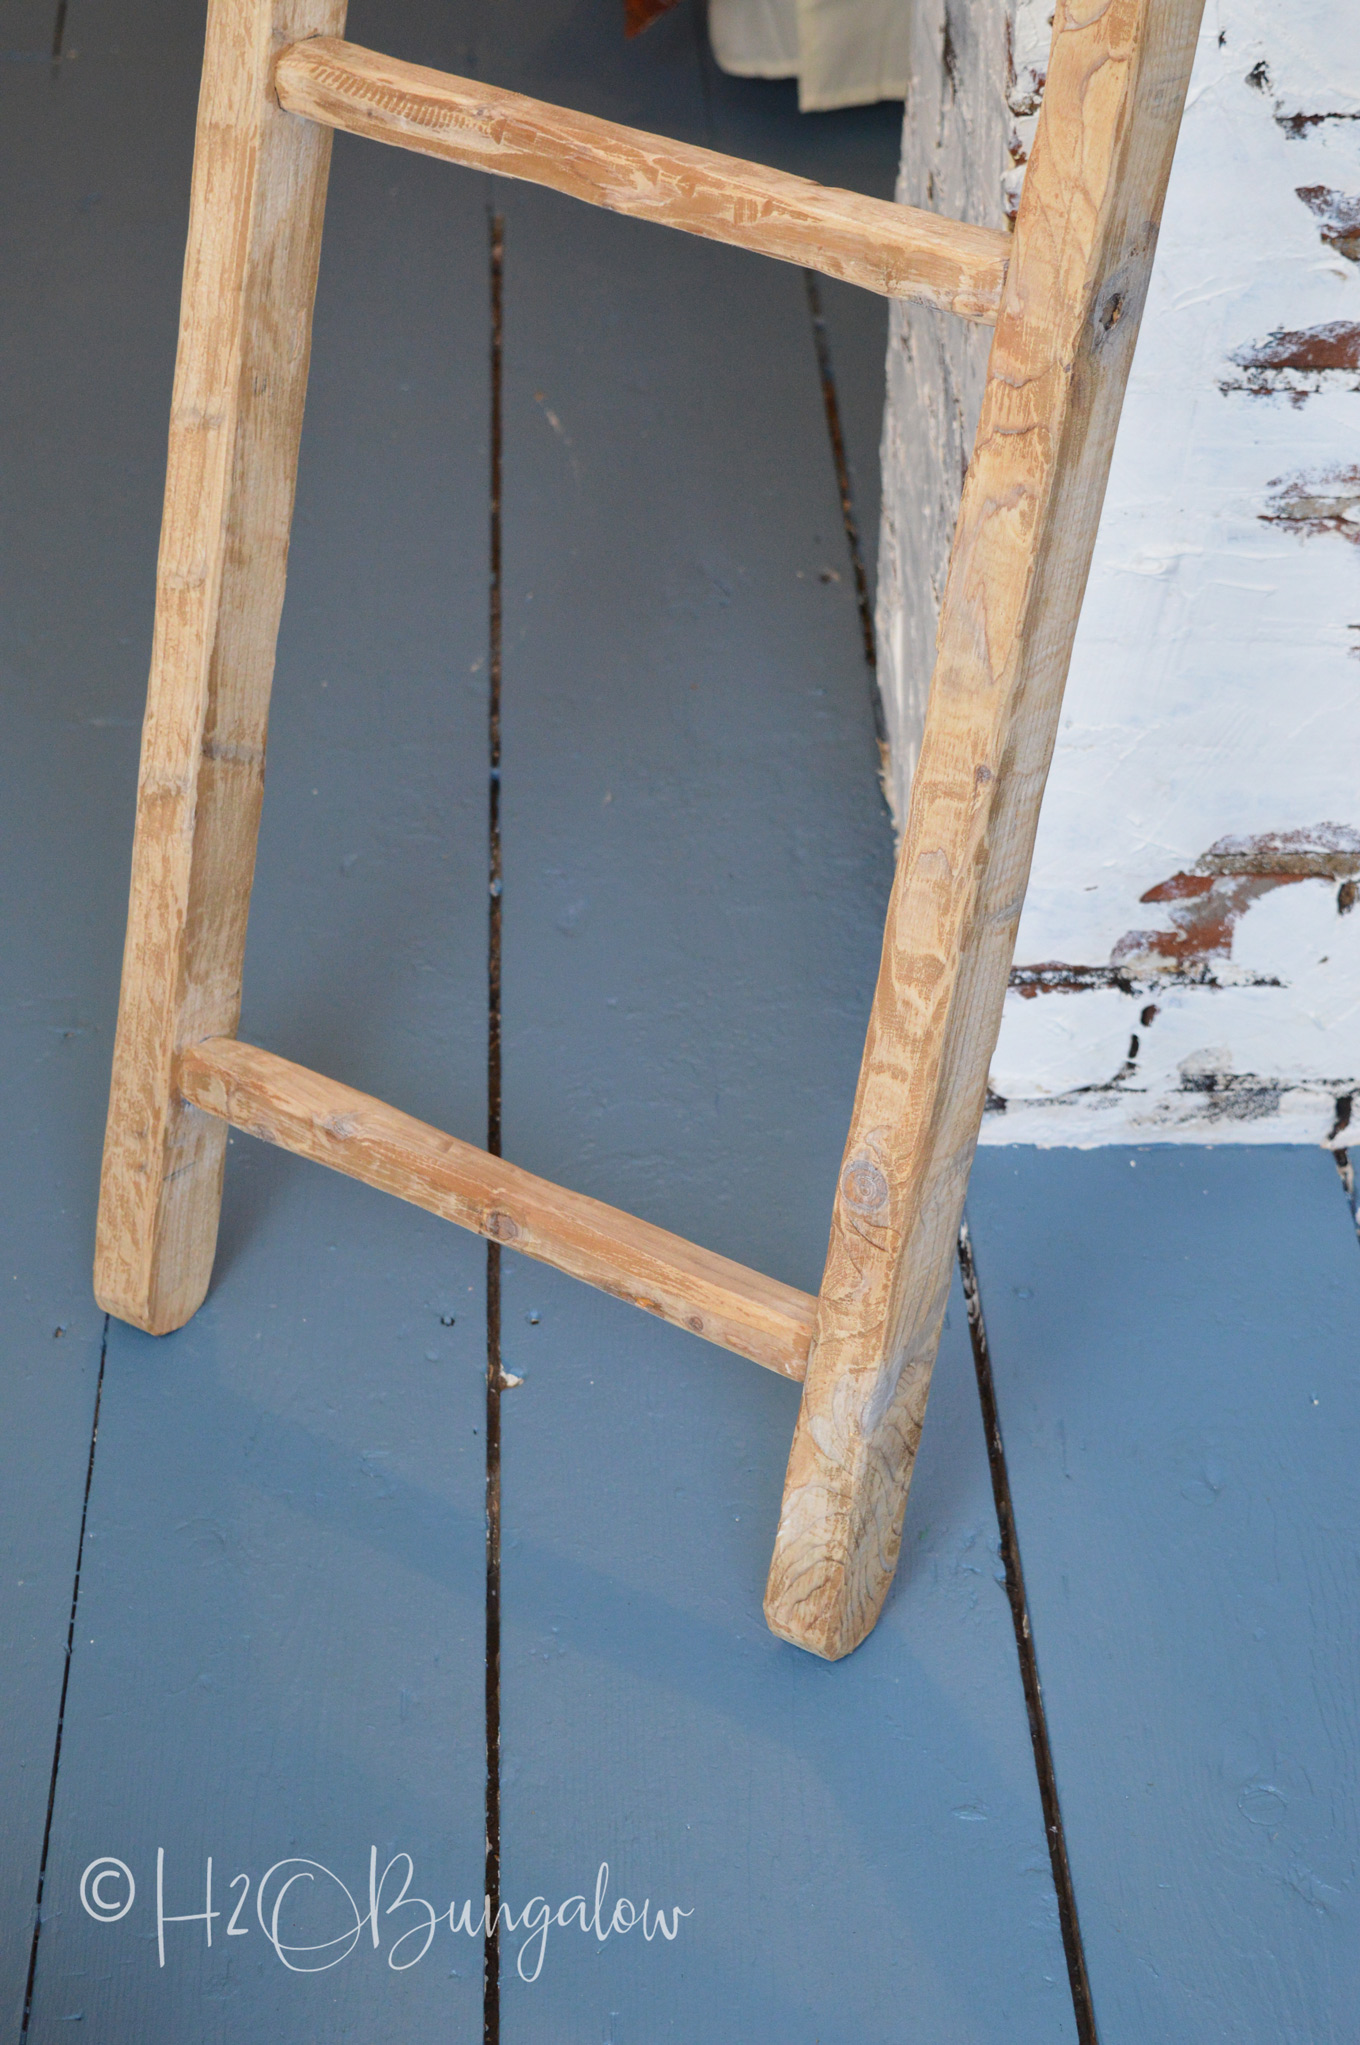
{"x":258,"y":194}
{"x":286,"y":1524}
{"x":902,"y":252}
{"x":955,"y":128}
{"x":1064,"y":340}
{"x":280,"y":1639}
{"x":1174,"y":1338}
{"x":696,"y":867}
{"x":331,"y":1124}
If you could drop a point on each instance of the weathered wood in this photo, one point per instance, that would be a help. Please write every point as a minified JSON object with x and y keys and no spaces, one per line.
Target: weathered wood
{"x":955,"y":130}
{"x":898,"y":251}
{"x":256,"y":207}
{"x":283,"y":1103}
{"x":1064,"y":339}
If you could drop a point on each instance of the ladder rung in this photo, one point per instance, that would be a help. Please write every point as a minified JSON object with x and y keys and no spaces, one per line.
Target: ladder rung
{"x":899,"y":251}
{"x":318,"y":1118}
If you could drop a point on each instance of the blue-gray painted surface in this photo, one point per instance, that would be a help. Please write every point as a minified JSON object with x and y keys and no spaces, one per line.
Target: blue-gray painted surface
{"x":279,"y":1647}
{"x":860,"y":1845}
{"x":1175,"y":1336}
{"x":696,"y":868}
{"x":856,"y":148}
{"x":280,"y":1641}
{"x":279,"y":1653}
{"x":84,"y":405}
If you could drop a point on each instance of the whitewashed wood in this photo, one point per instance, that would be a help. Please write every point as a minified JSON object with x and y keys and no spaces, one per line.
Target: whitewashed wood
{"x":1060,"y":358}
{"x":256,"y":207}
{"x":955,"y":129}
{"x":318,"y":1118}
{"x":899,"y":251}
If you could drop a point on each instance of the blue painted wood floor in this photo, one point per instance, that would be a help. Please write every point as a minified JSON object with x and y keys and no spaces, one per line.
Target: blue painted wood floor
{"x":246,"y":1594}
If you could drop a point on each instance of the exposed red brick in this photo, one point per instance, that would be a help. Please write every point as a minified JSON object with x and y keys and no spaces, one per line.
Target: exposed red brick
{"x":1336,"y":345}
{"x":1231,"y":875}
{"x":1203,"y":929}
{"x":1179,"y":888}
{"x":1339,"y":213}
{"x":1293,"y":362}
{"x":1208,"y":901}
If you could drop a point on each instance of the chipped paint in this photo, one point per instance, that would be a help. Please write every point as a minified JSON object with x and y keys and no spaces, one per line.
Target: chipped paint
{"x":1165,"y":991}
{"x":1339,"y":213}
{"x":1299,"y":362}
{"x":1325,"y":502}
{"x":1210,"y":900}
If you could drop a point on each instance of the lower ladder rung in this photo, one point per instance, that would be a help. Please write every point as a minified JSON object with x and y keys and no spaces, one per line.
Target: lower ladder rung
{"x":318,"y":1118}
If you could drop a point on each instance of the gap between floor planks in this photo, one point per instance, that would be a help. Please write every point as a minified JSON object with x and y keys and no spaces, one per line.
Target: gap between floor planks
{"x":494,"y":1378}
{"x":1078,"y":1983}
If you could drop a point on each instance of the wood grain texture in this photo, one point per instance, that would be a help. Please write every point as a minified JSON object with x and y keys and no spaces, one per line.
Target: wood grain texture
{"x":1060,"y":358}
{"x":955,"y":131}
{"x":256,"y":207}
{"x":896,"y":250}
{"x":318,"y":1118}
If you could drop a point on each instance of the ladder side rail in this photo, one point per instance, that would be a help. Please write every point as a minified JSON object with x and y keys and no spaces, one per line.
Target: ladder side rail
{"x":1059,"y":362}
{"x":256,"y":206}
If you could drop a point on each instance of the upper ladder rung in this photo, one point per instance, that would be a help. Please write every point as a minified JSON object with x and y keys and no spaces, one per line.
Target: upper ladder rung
{"x":898,"y":251}
{"x":268,"y":1096}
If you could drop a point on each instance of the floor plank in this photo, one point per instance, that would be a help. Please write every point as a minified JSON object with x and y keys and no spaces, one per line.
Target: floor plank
{"x":860,"y":1845}
{"x":856,"y":148}
{"x":1174,"y":1339}
{"x":280,"y":1640}
{"x":77,"y":485}
{"x":280,"y":1643}
{"x":696,"y":865}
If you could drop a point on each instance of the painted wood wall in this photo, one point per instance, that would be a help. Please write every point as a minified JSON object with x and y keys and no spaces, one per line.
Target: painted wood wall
{"x":1188,"y":966}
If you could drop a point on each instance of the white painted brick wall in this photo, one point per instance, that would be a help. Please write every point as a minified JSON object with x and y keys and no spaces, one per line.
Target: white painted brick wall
{"x":1200,"y":842}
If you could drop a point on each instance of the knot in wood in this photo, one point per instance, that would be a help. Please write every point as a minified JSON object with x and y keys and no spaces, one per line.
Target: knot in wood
{"x":502,"y":1227}
{"x":863,"y":1186}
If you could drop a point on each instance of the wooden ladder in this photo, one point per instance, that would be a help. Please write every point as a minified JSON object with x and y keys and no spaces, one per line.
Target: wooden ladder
{"x":1064,"y":294}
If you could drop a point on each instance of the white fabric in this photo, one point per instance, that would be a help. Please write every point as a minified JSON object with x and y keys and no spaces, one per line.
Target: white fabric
{"x":843,"y":52}
{"x":755,"y":38}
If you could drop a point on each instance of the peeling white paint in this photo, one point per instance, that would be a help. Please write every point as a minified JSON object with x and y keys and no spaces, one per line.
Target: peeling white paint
{"x":1215,"y":687}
